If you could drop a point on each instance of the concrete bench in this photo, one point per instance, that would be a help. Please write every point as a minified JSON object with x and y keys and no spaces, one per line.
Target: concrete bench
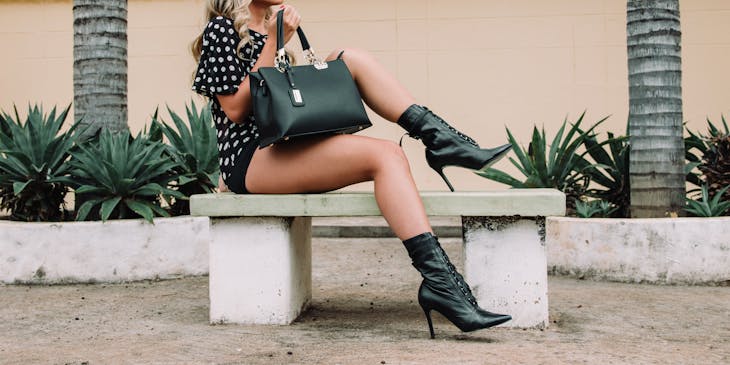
{"x":260,"y":251}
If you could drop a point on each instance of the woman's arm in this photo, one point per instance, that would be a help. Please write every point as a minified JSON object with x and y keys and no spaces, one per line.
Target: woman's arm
{"x":237,"y":106}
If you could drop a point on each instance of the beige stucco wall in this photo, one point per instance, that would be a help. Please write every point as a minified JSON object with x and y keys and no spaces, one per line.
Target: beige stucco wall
{"x":482,"y":64}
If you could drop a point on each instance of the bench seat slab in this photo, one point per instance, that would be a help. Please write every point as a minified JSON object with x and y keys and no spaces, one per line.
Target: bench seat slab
{"x":523,"y":202}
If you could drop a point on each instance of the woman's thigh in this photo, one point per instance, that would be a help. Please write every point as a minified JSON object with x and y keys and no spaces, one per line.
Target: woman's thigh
{"x":319,"y":164}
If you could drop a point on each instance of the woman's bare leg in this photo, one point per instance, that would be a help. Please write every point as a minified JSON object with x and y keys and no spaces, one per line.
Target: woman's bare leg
{"x":382,"y":92}
{"x":329,"y":163}
{"x":222,"y":187}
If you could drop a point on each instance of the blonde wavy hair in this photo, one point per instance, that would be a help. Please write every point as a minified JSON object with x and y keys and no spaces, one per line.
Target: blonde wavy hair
{"x":238,"y":11}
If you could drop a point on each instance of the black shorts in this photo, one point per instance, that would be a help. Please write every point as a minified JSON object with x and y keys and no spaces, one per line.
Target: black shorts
{"x":237,"y":179}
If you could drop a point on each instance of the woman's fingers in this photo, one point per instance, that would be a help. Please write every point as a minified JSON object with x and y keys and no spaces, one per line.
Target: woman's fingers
{"x":292,"y":17}
{"x":291,"y":21}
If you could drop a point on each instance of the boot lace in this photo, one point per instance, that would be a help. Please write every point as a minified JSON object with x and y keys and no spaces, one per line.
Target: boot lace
{"x":461,"y":135}
{"x":460,"y":282}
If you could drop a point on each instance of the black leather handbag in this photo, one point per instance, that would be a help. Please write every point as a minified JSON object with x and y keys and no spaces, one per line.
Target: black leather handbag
{"x":293,"y":101}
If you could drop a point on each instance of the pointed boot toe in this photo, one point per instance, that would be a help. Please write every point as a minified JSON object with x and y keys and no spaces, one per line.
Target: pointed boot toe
{"x":493,"y":155}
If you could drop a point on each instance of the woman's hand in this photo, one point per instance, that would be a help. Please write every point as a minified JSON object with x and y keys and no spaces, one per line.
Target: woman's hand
{"x":291,"y":23}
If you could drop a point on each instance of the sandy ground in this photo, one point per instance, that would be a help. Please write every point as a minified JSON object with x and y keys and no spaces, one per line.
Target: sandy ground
{"x":363,"y":312}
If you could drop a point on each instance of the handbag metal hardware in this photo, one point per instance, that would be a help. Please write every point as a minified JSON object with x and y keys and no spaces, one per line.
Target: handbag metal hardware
{"x":320,"y":65}
{"x":312,"y":59}
{"x":281,"y":62}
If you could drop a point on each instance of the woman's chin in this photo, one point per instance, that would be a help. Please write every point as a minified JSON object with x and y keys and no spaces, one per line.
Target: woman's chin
{"x":268,"y":2}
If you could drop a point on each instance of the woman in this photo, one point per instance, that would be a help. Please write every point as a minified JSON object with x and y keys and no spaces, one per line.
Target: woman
{"x":240,"y":38}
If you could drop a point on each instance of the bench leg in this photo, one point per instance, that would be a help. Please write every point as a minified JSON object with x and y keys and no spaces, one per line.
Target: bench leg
{"x":506,"y":265}
{"x":260,"y":269}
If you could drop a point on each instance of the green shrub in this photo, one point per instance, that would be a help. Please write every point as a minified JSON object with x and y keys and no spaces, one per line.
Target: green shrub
{"x":609,"y":170}
{"x":698,"y":147}
{"x":32,"y":164}
{"x":117,"y":177}
{"x":194,"y":146}
{"x":708,"y":206}
{"x":594,"y":208}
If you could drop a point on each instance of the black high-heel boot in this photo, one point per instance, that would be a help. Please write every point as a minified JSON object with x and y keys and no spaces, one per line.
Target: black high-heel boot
{"x":446,"y":146}
{"x":444,"y":290}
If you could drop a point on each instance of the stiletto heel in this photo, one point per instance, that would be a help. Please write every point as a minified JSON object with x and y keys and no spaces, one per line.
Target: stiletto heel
{"x":438,"y":164}
{"x":443,"y":176}
{"x":430,"y":323}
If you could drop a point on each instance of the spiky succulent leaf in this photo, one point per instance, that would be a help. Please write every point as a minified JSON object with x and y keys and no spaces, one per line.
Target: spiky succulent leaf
{"x":33,"y":152}
{"x":115,"y":170}
{"x":708,"y":205}
{"x":108,"y":206}
{"x":501,"y":177}
{"x":141,"y":208}
{"x":594,"y":208}
{"x":83,"y":211}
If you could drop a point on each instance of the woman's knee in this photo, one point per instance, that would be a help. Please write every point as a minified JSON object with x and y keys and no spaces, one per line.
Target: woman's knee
{"x":388,"y":155}
{"x":352,"y":56}
{"x":343,"y":52}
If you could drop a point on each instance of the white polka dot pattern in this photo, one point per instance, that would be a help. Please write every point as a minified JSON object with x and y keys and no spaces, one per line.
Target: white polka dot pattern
{"x":221,"y":71}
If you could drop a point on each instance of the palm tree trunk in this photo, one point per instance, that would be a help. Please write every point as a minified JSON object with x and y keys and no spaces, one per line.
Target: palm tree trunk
{"x":100,"y":64}
{"x":655,"y":108}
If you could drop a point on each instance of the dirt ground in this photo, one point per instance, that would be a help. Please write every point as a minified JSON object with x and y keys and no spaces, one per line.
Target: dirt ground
{"x":364,"y":312}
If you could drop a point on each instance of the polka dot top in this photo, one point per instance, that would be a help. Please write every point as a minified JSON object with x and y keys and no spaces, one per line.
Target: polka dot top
{"x":220,"y":72}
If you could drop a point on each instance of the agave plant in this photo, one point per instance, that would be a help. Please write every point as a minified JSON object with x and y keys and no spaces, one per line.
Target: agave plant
{"x":193,"y":145}
{"x":715,"y":165}
{"x":594,"y":208}
{"x":697,"y":147}
{"x":32,"y":164}
{"x":122,"y":177}
{"x":609,"y":170}
{"x":559,"y":166}
{"x":708,"y":205}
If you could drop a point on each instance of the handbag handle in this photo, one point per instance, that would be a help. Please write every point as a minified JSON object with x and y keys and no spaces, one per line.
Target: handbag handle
{"x":281,"y":62}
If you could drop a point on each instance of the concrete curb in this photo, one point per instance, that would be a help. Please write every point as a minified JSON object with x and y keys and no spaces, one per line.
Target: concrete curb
{"x":653,"y":250}
{"x":115,"y":251}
